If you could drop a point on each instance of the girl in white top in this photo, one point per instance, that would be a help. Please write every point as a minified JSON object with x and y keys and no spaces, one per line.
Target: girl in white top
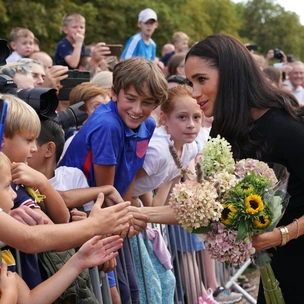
{"x":180,"y":119}
{"x":171,"y":149}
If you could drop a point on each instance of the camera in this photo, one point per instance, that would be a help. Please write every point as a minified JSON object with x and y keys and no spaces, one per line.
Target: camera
{"x":43,"y":100}
{"x":72,"y":116}
{"x":277,"y":53}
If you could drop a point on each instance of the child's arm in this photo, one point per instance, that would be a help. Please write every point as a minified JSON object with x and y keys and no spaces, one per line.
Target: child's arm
{"x":78,"y":197}
{"x":54,"y":205}
{"x":73,"y":59}
{"x":94,"y":252}
{"x":162,"y":193}
{"x":8,"y":286}
{"x":33,"y":239}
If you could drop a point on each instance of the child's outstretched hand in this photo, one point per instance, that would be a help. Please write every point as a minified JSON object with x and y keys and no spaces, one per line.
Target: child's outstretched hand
{"x":8,"y":286}
{"x":97,"y":251}
{"x":110,"y":220}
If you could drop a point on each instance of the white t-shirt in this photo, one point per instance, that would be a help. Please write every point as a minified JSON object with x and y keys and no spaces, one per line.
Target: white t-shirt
{"x":202,"y":138}
{"x":13,"y":57}
{"x":159,"y":163}
{"x":68,"y":178}
{"x":297,"y":92}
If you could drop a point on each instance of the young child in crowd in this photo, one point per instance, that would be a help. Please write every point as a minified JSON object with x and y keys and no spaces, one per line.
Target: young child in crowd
{"x":72,"y":47}
{"x":92,"y":253}
{"x":21,"y":42}
{"x":180,"y":42}
{"x":111,"y":145}
{"x":141,"y":44}
{"x":33,"y":189}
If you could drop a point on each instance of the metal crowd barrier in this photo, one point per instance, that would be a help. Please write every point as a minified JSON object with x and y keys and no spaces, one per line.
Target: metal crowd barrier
{"x":226,"y":278}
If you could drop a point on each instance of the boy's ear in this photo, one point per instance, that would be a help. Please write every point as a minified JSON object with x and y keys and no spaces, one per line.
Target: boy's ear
{"x":3,"y":141}
{"x":114,"y":96}
{"x":139,"y":24}
{"x":156,"y":24}
{"x":64,"y":29}
{"x":50,"y":149}
{"x":13,"y":45}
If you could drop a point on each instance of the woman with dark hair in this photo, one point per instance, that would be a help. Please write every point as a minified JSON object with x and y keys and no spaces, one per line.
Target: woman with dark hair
{"x":260,"y":121}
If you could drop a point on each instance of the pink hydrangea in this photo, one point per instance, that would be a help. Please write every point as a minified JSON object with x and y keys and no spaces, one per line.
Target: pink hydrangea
{"x":195,"y":205}
{"x":220,"y":243}
{"x":249,"y":165}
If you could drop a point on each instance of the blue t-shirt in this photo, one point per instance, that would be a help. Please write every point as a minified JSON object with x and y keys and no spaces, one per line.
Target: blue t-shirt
{"x":29,"y":263}
{"x":104,"y":139}
{"x":136,"y":46}
{"x":63,"y":49}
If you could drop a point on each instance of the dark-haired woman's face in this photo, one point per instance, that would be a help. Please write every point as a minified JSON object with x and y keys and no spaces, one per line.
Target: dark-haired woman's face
{"x":205,"y":80}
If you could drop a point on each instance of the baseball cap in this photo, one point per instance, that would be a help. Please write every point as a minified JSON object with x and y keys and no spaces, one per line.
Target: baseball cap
{"x":146,"y":15}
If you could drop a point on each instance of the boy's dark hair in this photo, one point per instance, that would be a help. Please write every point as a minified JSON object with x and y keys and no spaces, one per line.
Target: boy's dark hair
{"x":140,"y":72}
{"x":52,"y":131}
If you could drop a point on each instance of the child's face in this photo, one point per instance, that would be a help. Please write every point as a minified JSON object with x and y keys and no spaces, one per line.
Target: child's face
{"x":23,"y":46}
{"x":181,"y":45}
{"x":74,"y":27}
{"x":148,"y":27}
{"x":37,"y":161}
{"x":7,"y":193}
{"x":184,"y":122}
{"x":19,"y":148}
{"x":133,"y":108}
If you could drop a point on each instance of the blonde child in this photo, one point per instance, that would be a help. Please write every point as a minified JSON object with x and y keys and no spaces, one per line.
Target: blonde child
{"x":72,"y":47}
{"x":181,"y":43}
{"x":93,"y":252}
{"x":21,"y":42}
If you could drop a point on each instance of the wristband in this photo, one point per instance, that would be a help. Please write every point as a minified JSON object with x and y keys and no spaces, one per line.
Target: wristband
{"x":284,"y":235}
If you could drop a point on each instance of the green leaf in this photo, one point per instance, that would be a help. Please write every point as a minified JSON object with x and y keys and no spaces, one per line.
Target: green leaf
{"x":242,"y":230}
{"x":201,"y":230}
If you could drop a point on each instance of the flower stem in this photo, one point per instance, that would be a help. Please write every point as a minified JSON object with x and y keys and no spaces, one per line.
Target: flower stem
{"x":272,"y":291}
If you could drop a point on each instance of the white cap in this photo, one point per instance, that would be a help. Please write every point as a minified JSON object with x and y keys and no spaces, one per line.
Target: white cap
{"x":146,"y":15}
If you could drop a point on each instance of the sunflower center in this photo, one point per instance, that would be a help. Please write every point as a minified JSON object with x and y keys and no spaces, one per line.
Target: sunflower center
{"x":225,"y":213}
{"x":253,"y":204}
{"x":262,"y":219}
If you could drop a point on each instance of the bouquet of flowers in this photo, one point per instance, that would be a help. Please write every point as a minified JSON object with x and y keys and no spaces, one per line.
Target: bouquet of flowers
{"x":230,"y":202}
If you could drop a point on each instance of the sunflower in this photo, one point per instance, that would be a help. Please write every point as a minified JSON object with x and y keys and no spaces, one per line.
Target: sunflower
{"x":261,"y":222}
{"x":228,"y":214}
{"x":245,"y":187}
{"x":254,"y":204}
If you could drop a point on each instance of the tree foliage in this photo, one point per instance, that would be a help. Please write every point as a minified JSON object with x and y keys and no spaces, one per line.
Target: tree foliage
{"x":260,"y":22}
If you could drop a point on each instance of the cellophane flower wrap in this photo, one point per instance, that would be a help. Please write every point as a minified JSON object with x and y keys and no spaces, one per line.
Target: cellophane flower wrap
{"x":229,"y":203}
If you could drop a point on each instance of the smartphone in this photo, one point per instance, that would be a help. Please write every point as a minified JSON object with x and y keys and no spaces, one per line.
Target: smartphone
{"x":3,"y":111}
{"x":252,"y":47}
{"x":116,"y":49}
{"x":75,"y":77}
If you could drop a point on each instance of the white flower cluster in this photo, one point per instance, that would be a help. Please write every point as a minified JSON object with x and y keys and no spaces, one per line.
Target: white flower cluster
{"x":195,"y":205}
